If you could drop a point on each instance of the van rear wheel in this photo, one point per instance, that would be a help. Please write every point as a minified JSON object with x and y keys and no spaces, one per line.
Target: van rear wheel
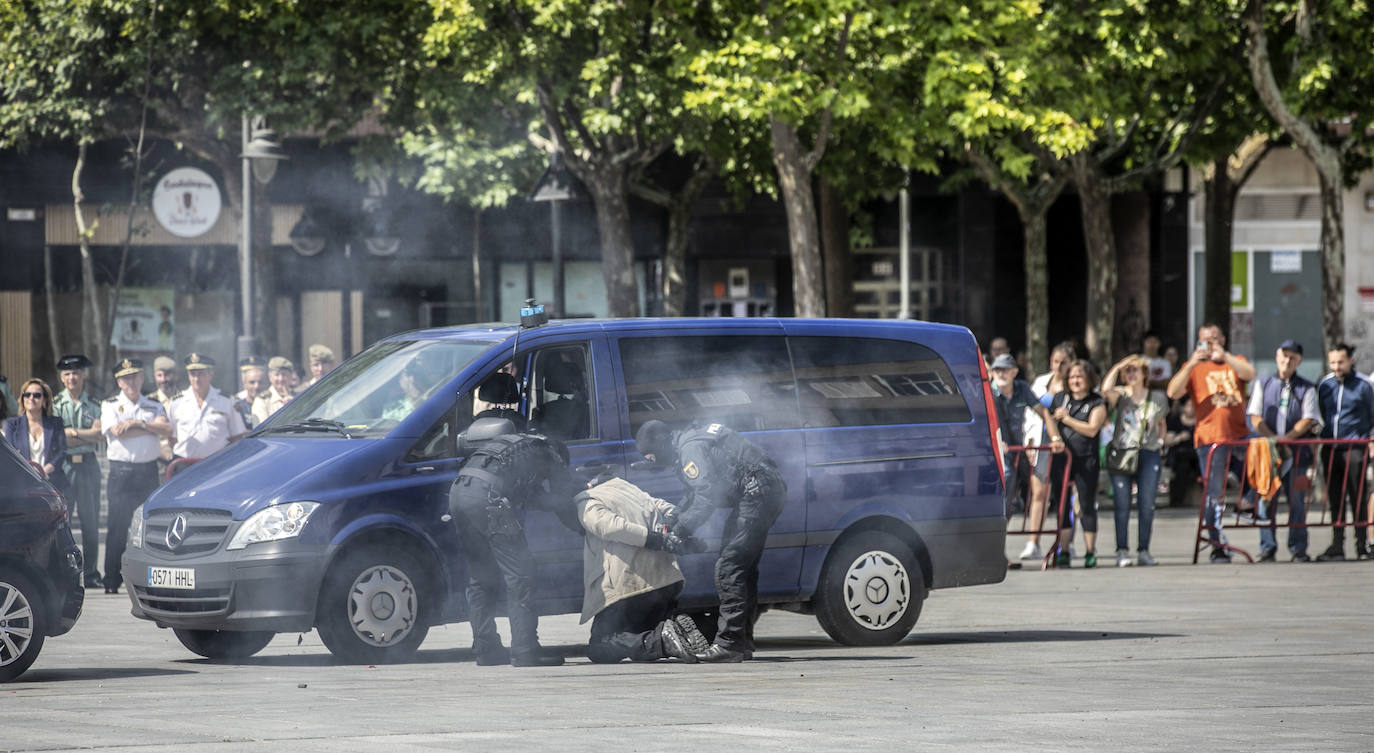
{"x":871,"y":591}
{"x":23,"y":624}
{"x":374,"y":607}
{"x":224,"y":645}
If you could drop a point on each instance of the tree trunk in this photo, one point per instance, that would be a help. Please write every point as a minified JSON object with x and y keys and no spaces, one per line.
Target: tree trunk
{"x":1036,"y":243}
{"x":1220,"y":196}
{"x":610,"y":191}
{"x":794,"y":178}
{"x":674,"y":289}
{"x":1333,"y":258}
{"x":839,"y":264}
{"x":1101,"y":247}
{"x":53,"y":340}
{"x":92,"y":317}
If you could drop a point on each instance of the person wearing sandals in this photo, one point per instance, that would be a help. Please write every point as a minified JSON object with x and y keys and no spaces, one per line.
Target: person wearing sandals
{"x":1139,"y":431}
{"x":1079,"y":413}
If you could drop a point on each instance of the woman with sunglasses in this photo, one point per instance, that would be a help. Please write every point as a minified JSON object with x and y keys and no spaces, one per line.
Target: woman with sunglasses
{"x":1140,"y":416}
{"x":37,"y":433}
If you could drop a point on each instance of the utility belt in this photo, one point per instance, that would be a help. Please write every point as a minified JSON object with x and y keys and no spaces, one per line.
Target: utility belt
{"x":503,"y":517}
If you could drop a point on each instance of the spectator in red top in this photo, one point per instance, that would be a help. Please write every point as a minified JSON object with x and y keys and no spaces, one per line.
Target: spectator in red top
{"x":1215,"y":381}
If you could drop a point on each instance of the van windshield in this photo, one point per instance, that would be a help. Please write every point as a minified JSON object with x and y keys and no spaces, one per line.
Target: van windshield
{"x":367,"y":395}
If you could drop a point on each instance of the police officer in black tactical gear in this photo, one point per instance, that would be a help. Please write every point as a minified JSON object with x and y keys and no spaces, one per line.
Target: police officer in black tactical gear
{"x":506,"y":473}
{"x":721,"y":469}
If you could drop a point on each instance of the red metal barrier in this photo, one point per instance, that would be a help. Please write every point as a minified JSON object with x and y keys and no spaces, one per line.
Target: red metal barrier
{"x":1246,"y":517}
{"x":177,"y":466}
{"x":1021,"y":458}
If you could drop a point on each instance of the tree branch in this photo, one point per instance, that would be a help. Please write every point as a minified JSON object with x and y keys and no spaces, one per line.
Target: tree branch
{"x":823,"y":133}
{"x":1325,"y":157}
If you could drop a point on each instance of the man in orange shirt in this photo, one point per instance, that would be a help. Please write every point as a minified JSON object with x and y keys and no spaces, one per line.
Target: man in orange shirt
{"x":1215,"y":381}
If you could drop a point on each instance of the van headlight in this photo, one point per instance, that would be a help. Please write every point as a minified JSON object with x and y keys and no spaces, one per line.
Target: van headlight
{"x":135,"y":528}
{"x":277,"y":522}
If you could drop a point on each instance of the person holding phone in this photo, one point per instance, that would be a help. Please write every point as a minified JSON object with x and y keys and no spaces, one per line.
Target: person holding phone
{"x":1215,"y":381}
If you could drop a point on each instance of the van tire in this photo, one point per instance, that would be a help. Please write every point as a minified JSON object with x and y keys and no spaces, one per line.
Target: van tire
{"x":374,"y":606}
{"x":871,"y":590}
{"x":26,"y":624}
{"x":224,"y":645}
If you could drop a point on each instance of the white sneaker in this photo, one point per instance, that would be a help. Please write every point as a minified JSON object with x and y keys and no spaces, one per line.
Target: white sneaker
{"x":1031,"y":552}
{"x":1123,"y":558}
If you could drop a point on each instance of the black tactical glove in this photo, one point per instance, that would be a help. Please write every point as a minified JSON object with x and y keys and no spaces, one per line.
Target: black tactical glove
{"x":668,"y":542}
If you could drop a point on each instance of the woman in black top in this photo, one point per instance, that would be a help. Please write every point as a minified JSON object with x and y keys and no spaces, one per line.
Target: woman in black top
{"x":1080,"y":413}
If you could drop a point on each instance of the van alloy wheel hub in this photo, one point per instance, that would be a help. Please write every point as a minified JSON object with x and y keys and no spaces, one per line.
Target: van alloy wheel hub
{"x":877,"y":590}
{"x":382,"y":606}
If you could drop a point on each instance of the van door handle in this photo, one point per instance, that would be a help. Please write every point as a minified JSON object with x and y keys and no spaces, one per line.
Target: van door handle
{"x":590,"y":469}
{"x":425,"y":469}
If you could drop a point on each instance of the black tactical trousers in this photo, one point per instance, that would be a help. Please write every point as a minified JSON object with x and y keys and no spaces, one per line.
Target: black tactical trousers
{"x":631,"y":628}
{"x":494,"y":554}
{"x":128,"y":487}
{"x":737,"y":569}
{"x":84,"y":478}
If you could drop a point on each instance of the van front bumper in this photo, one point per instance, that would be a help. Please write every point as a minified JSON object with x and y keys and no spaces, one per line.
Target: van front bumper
{"x":270,"y":586}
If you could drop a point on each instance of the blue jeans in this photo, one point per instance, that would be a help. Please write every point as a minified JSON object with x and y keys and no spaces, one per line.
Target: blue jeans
{"x":1146,"y":480}
{"x":1214,"y":484}
{"x":1297,"y":513}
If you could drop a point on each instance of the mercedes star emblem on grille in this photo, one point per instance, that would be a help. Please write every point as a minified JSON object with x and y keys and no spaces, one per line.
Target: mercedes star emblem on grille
{"x":176,"y":532}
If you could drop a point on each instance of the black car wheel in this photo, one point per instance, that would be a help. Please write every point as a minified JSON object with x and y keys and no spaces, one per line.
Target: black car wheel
{"x":224,"y":645}
{"x":374,"y":607}
{"x":871,"y":591}
{"x":22,"y":625}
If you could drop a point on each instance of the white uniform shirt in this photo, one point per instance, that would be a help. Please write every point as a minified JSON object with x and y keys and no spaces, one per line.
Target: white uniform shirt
{"x":205,"y":427}
{"x":144,"y":448}
{"x":267,"y":403}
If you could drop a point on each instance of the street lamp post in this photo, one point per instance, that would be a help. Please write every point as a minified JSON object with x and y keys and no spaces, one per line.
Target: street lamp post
{"x":555,"y":186}
{"x":260,"y":156}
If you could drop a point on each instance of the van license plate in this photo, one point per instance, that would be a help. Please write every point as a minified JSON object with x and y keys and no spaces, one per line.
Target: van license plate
{"x":171,"y":577}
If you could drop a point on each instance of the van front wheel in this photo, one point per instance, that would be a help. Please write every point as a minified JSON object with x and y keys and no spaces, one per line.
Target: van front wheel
{"x":224,"y":645}
{"x":374,"y":607}
{"x":871,"y":591}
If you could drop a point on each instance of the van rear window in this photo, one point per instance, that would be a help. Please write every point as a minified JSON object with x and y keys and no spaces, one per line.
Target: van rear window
{"x":744,"y":382}
{"x":844,"y":381}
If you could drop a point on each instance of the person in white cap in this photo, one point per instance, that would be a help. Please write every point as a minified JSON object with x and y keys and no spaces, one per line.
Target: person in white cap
{"x":132,"y":424}
{"x":203,"y":418}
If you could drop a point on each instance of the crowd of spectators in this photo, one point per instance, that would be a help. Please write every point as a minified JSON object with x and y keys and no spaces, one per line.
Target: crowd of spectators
{"x":1158,"y":427}
{"x":66,"y":436}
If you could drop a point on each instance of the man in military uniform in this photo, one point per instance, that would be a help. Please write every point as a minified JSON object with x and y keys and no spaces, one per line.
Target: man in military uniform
{"x":279,"y":371}
{"x":203,"y":418}
{"x":252,"y":377}
{"x":506,"y":473}
{"x":132,"y":424}
{"x":721,"y":469}
{"x":165,"y":376}
{"x":80,"y":413}
{"x":321,"y":363}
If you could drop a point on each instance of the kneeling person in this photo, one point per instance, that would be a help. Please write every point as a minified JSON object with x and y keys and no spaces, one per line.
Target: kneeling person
{"x":631,"y":579}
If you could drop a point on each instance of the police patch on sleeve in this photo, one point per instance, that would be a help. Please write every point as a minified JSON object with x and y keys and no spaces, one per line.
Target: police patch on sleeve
{"x":691,"y":470}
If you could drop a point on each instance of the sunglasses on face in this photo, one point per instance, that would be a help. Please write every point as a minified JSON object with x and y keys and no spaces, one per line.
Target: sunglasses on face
{"x":34,"y":395}
{"x":1131,"y":369}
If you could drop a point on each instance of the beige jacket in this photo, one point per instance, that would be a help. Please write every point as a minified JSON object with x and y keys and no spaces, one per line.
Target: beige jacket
{"x":615,"y":565}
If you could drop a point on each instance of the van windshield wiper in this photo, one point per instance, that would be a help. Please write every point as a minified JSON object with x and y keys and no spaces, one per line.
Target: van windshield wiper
{"x":316,"y":424}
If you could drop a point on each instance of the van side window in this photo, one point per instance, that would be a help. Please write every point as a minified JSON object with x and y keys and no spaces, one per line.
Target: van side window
{"x":744,"y":382}
{"x":439,"y":440}
{"x":560,"y":393}
{"x":844,"y":381}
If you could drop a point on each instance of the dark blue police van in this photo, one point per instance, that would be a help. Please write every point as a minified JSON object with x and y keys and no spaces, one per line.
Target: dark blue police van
{"x":331,"y":514}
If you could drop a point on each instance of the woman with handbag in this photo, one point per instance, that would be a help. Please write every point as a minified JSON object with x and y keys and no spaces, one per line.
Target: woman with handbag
{"x":1080,"y":413}
{"x":1133,"y":456}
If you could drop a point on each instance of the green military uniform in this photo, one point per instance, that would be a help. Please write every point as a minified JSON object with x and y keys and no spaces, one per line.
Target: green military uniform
{"x":82,"y":467}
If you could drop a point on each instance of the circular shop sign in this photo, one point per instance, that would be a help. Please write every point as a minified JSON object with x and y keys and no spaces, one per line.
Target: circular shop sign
{"x":186,"y":202}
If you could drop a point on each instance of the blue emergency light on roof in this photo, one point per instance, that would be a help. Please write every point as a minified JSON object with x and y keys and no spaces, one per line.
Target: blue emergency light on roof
{"x":532,"y":314}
